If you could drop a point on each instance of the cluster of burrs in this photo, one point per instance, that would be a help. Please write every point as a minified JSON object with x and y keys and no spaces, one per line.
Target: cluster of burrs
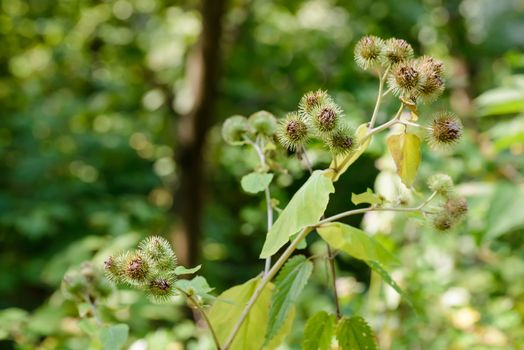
{"x":150,"y":268}
{"x":317,"y":116}
{"x":452,"y":208}
{"x":412,"y":79}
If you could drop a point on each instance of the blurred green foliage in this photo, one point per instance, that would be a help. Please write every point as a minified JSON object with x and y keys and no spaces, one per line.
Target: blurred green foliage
{"x":89,"y":94}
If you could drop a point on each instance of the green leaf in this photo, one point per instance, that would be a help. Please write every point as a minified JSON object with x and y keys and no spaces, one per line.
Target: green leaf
{"x":197,"y":285}
{"x":284,"y":330}
{"x":319,"y":331}
{"x":224,"y":314}
{"x":500,"y":101}
{"x":366,"y":197}
{"x":389,"y":280}
{"x":114,"y":337}
{"x":405,"y":150}
{"x":302,"y":244}
{"x":256,"y":182}
{"x":355,"y":334}
{"x":362,"y":142}
{"x":356,"y":243}
{"x":305,"y":208}
{"x":289,"y":284}
{"x":505,"y":211}
{"x":181,"y":270}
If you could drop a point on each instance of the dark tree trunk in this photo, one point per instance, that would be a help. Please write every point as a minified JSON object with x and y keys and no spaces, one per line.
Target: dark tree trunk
{"x":203,"y":75}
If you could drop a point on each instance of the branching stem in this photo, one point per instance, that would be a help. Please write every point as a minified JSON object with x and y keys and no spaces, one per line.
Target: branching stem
{"x":291,"y":248}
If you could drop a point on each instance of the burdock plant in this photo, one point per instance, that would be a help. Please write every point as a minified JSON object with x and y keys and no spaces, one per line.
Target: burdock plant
{"x":411,"y":81}
{"x":262,"y":309}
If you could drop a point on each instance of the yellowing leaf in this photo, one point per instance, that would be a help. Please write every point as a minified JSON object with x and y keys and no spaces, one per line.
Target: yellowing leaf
{"x":346,"y":160}
{"x":304,"y":209}
{"x":366,"y":197}
{"x":227,"y":310}
{"x":405,"y":150}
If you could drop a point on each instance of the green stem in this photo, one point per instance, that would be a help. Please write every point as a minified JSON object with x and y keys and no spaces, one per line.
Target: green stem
{"x":204,"y":316}
{"x":291,"y":248}
{"x":331,"y":261}
{"x":269,"y":207}
{"x":379,"y":99}
{"x":265,"y":280}
{"x":405,"y":122}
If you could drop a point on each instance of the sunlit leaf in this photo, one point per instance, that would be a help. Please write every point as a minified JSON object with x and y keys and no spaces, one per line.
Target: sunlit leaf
{"x":356,"y":243}
{"x":227,"y":310}
{"x":305,"y":208}
{"x":181,"y":270}
{"x":405,"y":150}
{"x":366,"y":197}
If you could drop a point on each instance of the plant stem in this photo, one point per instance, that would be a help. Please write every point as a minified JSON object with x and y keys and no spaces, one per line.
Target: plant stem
{"x":94,"y":308}
{"x":269,"y":207}
{"x":331,"y":261}
{"x":269,"y":211}
{"x":291,"y":248}
{"x":405,"y":122}
{"x":373,"y":208}
{"x":330,"y":257}
{"x":265,"y":280}
{"x":379,"y":99}
{"x":386,"y":125}
{"x":204,"y":316}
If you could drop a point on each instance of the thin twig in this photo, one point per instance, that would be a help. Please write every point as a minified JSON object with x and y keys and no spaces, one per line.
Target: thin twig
{"x":331,"y":261}
{"x":94,"y":308}
{"x":204,"y":316}
{"x":406,"y":122}
{"x":379,"y":99}
{"x":269,"y":207}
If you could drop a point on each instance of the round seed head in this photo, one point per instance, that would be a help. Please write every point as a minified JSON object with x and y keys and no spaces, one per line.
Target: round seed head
{"x":159,"y":253}
{"x":442,"y":221}
{"x":368,"y":51}
{"x":292,"y":132}
{"x":396,"y":51}
{"x":441,"y":183}
{"x":159,"y":289}
{"x":456,"y":207}
{"x":234,"y":129}
{"x":446,"y":130}
{"x":313,"y":100}
{"x":432,"y":84}
{"x":263,"y":123}
{"x":404,"y":80}
{"x":325,"y":118}
{"x":341,"y":141}
{"x":135,"y":268}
